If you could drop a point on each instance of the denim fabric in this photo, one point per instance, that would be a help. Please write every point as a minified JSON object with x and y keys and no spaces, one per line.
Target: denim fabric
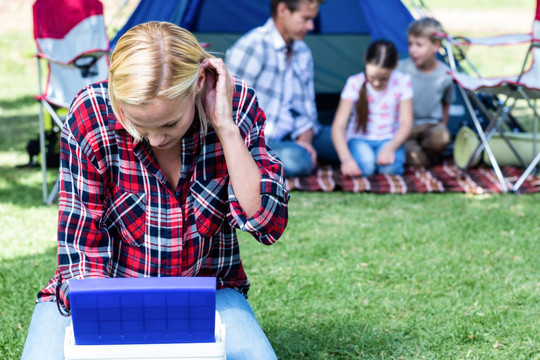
{"x":45,"y":340}
{"x":297,"y":160}
{"x":244,"y":337}
{"x":322,"y":143}
{"x":365,"y":153}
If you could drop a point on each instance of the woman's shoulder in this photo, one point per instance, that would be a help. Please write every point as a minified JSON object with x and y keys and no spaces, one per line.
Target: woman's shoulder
{"x":97,"y":91}
{"x":245,"y":103}
{"x":90,"y":111}
{"x":242,"y":92}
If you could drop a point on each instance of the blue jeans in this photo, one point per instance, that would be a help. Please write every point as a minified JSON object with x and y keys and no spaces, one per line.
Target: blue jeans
{"x":365,"y":153}
{"x":297,"y":160}
{"x":244,"y":337}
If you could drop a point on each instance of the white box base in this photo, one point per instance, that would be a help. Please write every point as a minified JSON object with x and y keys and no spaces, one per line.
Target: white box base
{"x":184,"y":351}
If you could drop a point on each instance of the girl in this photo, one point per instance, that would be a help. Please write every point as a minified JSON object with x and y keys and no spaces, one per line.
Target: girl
{"x":374,"y":116}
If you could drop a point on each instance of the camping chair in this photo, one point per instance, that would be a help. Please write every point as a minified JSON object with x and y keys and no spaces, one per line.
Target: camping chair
{"x":71,"y":40}
{"x":523,"y":86}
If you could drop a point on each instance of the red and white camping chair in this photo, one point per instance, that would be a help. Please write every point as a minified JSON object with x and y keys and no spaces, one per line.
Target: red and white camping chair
{"x":523,"y":86}
{"x":71,"y":39}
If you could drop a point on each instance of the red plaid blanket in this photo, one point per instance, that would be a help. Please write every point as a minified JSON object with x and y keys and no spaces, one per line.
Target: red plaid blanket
{"x":442,"y":178}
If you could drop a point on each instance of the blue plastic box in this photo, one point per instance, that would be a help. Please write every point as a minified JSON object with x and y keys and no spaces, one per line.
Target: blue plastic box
{"x":143,"y":310}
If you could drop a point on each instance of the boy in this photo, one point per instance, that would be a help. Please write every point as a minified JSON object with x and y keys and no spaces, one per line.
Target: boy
{"x":433,"y":90}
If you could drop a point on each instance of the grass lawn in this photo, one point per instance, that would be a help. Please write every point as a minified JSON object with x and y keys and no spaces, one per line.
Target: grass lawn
{"x":355,"y":276}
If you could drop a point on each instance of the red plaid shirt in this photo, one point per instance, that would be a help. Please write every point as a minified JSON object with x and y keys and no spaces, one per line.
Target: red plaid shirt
{"x":118,"y":216}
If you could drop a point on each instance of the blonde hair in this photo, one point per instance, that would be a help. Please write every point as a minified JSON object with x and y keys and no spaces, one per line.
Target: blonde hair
{"x":426,"y":27}
{"x":155,"y":60}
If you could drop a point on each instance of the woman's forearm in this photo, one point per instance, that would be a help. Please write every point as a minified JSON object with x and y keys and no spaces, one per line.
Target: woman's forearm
{"x":243,"y":171}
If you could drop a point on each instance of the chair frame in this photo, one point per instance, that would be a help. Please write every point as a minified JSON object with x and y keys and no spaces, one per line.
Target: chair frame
{"x":517,"y":91}
{"x":96,"y":55}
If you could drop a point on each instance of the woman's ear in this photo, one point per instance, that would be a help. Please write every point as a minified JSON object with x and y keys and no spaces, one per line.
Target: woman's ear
{"x":201,"y":80}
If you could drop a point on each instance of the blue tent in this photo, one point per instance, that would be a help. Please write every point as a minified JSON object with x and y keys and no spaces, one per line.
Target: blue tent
{"x":342,"y":29}
{"x":342,"y":32}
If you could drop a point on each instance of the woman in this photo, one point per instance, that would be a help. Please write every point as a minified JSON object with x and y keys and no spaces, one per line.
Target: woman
{"x":159,"y":166}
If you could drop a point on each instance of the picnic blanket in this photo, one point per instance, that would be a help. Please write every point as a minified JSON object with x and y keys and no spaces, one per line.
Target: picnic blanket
{"x":446,"y":177}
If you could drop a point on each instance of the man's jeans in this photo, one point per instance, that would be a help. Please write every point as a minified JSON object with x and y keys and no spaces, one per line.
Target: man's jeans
{"x":297,"y":160}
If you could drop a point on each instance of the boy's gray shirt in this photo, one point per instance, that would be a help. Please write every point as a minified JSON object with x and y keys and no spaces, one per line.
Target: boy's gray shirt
{"x":430,"y":91}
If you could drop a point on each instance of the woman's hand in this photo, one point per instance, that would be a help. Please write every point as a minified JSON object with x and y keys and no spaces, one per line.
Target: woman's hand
{"x":350,"y":168}
{"x":218,"y":94}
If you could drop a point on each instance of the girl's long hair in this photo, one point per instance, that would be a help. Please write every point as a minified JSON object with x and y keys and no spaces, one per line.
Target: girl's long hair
{"x":382,"y":53}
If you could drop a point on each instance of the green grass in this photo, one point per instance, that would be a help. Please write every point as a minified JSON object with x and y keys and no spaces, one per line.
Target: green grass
{"x":446,"y":276}
{"x":18,"y":108}
{"x":355,"y":276}
{"x":401,"y":277}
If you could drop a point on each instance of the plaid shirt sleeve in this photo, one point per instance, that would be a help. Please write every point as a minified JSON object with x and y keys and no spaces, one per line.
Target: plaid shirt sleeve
{"x":84,"y":247}
{"x":269,"y":222}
